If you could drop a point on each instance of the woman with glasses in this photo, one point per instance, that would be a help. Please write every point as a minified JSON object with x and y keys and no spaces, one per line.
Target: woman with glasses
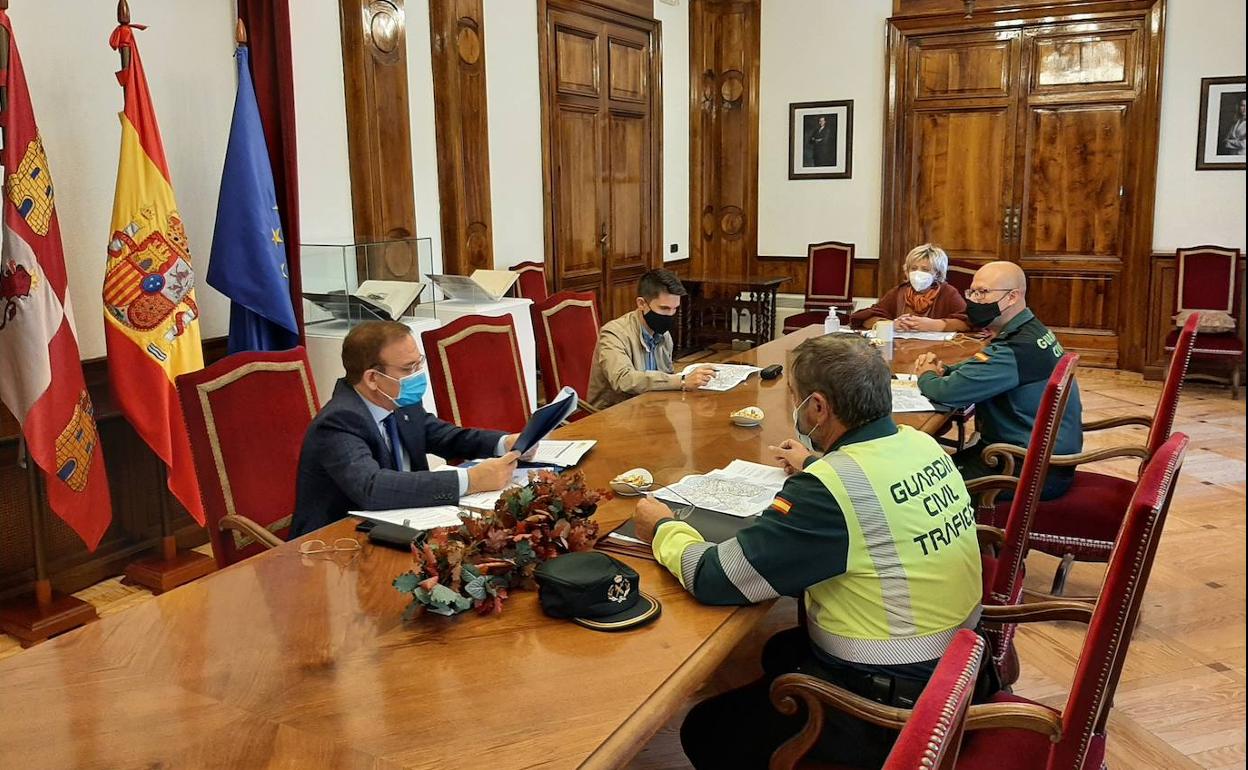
{"x":924,"y":302}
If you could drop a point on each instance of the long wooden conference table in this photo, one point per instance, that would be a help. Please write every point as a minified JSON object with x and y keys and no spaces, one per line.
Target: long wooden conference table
{"x":304,"y":662}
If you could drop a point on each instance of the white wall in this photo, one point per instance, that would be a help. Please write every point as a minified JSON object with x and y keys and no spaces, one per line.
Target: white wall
{"x":188,"y":54}
{"x":1204,"y":38}
{"x":675,"y":20}
{"x":820,"y":50}
{"x":513,"y":102}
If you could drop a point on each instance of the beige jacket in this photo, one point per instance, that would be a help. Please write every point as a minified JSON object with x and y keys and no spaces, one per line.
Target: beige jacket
{"x":619,"y":372}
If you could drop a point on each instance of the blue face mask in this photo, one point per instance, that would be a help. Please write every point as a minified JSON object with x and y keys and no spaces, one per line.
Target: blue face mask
{"x":411,"y":388}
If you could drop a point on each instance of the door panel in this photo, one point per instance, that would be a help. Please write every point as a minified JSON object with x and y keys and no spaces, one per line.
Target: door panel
{"x":1074,"y":182}
{"x":960,"y":178}
{"x":1075,"y":59}
{"x":627,"y":65}
{"x":630,"y":189}
{"x":576,"y":61}
{"x":578,"y":186}
{"x":954,"y":68}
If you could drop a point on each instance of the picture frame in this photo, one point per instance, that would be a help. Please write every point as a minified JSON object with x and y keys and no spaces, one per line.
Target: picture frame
{"x":821,"y":140}
{"x":1220,"y":133}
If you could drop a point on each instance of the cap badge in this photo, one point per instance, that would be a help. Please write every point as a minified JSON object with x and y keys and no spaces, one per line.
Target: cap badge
{"x":619,"y":590}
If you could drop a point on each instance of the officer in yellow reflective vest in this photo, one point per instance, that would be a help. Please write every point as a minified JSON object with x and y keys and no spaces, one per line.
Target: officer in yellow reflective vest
{"x":876,"y":536}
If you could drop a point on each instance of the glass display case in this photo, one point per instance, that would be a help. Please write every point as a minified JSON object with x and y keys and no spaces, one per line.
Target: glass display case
{"x":346,"y":282}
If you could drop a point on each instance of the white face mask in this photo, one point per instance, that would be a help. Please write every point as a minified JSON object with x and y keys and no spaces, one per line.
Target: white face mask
{"x":921,"y":280}
{"x":805,"y":438}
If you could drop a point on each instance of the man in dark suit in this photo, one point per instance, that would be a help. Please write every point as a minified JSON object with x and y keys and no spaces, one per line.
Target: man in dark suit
{"x":366,"y":449}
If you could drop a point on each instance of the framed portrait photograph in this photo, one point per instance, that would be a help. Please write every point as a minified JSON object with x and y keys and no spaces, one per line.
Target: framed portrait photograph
{"x":1221,"y":133}
{"x":821,"y":140}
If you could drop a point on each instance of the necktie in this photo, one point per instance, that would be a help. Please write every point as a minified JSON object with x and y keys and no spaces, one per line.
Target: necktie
{"x":396,"y":444}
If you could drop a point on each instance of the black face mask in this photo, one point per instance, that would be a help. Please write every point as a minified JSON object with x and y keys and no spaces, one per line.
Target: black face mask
{"x":659,"y":323}
{"x":980,"y":314}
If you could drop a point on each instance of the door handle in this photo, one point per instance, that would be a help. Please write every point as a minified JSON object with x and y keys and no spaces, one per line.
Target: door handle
{"x":1018,"y":223}
{"x":1007,"y":227}
{"x":602,"y":239}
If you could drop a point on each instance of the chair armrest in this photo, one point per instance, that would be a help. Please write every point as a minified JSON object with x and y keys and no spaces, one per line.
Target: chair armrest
{"x":990,"y":485}
{"x":1038,"y":612}
{"x":585,"y":406}
{"x":1016,"y":716}
{"x":1118,"y":422}
{"x":1002,"y":455}
{"x":815,"y":693}
{"x":992,"y":537}
{"x":251,"y":529}
{"x":786,"y":690}
{"x":1068,"y":461}
{"x":1031,"y":596}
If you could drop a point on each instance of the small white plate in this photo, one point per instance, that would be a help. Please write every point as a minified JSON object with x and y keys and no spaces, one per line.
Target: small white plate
{"x":627,"y":490}
{"x":746,"y":422}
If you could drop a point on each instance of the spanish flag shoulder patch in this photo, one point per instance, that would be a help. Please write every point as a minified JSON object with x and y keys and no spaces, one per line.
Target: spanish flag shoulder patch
{"x":981,"y":357}
{"x":782,"y":505}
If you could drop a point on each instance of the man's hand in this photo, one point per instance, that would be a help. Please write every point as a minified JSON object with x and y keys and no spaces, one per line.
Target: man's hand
{"x":790,"y":455}
{"x":510,"y":440}
{"x":918,"y":323}
{"x":697,"y":378}
{"x":647,"y":516}
{"x":928,"y":362}
{"x":494,"y":473}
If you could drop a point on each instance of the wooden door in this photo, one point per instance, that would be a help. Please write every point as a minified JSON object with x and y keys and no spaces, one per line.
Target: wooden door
{"x":1079,"y":126}
{"x":960,"y":144}
{"x":600,"y":101}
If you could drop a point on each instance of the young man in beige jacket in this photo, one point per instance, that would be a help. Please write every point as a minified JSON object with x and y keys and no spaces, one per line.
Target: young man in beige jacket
{"x":634,"y":352}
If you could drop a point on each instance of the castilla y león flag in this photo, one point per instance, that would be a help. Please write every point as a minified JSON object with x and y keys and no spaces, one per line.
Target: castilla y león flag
{"x":151,"y":319}
{"x":41,"y":379}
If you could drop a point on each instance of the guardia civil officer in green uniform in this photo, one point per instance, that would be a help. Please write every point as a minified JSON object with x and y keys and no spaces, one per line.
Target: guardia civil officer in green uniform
{"x":1007,"y":379}
{"x":874,"y":532}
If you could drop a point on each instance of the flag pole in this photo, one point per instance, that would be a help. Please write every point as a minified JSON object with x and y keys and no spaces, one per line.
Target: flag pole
{"x":31,"y":619}
{"x":169,"y":568}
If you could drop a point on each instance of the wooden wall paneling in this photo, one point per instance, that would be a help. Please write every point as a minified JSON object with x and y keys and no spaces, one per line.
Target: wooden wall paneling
{"x":602,"y":119}
{"x":863,"y":280}
{"x":723,"y":141}
{"x":457,"y":38}
{"x":379,"y":146}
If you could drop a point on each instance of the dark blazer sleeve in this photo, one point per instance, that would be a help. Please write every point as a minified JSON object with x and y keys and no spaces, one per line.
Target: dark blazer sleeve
{"x":881,"y":309}
{"x":347,"y":459}
{"x":448,"y":440}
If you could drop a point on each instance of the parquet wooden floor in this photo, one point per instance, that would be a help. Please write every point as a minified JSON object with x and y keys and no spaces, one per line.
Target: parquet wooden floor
{"x":1181,"y":701}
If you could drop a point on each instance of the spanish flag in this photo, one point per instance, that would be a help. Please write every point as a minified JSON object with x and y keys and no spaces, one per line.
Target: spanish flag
{"x":151,"y":319}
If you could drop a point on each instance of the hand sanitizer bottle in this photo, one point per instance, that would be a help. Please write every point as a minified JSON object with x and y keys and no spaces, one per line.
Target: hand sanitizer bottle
{"x":832,"y":324}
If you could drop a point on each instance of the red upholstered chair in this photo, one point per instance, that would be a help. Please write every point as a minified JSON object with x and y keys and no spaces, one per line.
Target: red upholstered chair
{"x":1003,"y":570}
{"x":1082,"y":524}
{"x":531,"y":281}
{"x":247,"y":415}
{"x":566,"y":327}
{"x":1210,"y":281}
{"x":1013,"y":733}
{"x":932,"y":733}
{"x":961,"y":273}
{"x":476,"y":375}
{"x":829,"y":283}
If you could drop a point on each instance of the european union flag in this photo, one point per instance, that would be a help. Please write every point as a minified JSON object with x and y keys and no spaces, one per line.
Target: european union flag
{"x":248,"y":262}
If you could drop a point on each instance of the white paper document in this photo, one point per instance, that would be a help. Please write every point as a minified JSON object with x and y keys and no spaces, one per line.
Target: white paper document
{"x":907,"y":398}
{"x":416,"y":518}
{"x":626,"y":538}
{"x":485,"y":500}
{"x":564,"y":454}
{"x":742,"y":489}
{"x":727,"y":376}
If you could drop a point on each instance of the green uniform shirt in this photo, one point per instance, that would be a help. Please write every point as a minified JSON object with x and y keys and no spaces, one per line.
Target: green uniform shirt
{"x":1005,"y":383}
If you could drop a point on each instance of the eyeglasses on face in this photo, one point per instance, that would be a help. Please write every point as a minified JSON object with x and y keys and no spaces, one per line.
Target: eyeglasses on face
{"x":309,"y":547}
{"x":975,"y":295}
{"x":406,"y":370}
